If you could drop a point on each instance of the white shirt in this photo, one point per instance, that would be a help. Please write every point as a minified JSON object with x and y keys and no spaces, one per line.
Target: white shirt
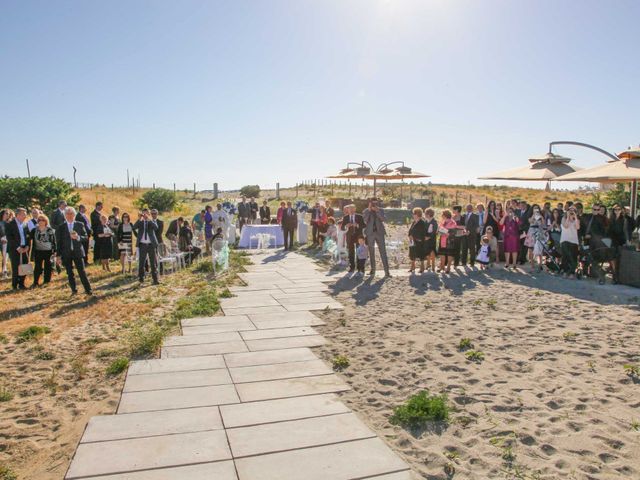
{"x":70,"y":226}
{"x":570,"y":233}
{"x":145,"y":237}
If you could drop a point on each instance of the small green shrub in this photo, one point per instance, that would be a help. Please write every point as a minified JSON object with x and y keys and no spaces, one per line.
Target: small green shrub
{"x":492,"y":303}
{"x":106,"y":352}
{"x":144,"y":338}
{"x":93,"y":341}
{"x":45,"y":355}
{"x":420,"y":409}
{"x":118,"y":366}
{"x":632,"y":370}
{"x":465,"y":344}
{"x":201,"y":304}
{"x":206,"y":266}
{"x":6,"y":395}
{"x":161,"y":199}
{"x":79,"y":367}
{"x":474,"y":355}
{"x":569,"y":336}
{"x":3,"y":338}
{"x":32,"y":333}
{"x":226,"y":293}
{"x":340,"y":362}
{"x":7,"y":474}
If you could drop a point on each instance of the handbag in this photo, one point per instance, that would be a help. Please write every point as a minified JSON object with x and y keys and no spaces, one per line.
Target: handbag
{"x":24,"y":269}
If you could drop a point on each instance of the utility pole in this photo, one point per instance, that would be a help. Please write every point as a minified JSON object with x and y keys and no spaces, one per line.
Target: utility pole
{"x":28,"y":170}
{"x":75,"y":182}
{"x":127,"y":178}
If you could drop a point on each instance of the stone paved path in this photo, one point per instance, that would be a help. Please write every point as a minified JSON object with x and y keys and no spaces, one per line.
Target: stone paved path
{"x":240,"y":396}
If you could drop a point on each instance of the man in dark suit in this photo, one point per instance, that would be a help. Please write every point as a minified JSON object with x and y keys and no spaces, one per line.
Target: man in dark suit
{"x":70,"y":239}
{"x":81,"y":217}
{"x":17,"y":247}
{"x":244,"y":212}
{"x":315,"y":227}
{"x":95,"y":223}
{"x":57,"y":218}
{"x":265,"y":213}
{"x":524,"y":213}
{"x":159,"y":223}
{"x":468,"y":243}
{"x":173,"y":231}
{"x":289,"y":225}
{"x":353,"y":224}
{"x":147,"y":234}
{"x":253,"y":210}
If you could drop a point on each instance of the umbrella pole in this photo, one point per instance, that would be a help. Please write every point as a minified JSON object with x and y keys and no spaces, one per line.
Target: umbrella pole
{"x":634,"y":198}
{"x":374,"y":187}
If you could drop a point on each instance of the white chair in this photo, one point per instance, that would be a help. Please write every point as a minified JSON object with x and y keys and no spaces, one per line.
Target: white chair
{"x":394,"y":248}
{"x":265,"y":240}
{"x":219,"y":255}
{"x":166,"y":260}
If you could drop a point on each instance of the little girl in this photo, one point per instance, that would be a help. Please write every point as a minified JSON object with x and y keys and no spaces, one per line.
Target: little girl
{"x":484,"y":255}
{"x":493,"y":246}
{"x":362,"y":253}
{"x":536,"y":238}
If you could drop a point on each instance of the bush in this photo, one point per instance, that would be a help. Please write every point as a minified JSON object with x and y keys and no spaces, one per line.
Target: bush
{"x":7,"y":474}
{"x":6,"y":395}
{"x":340,"y":362}
{"x":161,"y":199}
{"x":145,"y":339}
{"x":118,"y":366}
{"x":41,"y":192}
{"x":250,"y":191}
{"x":32,"y":333}
{"x":420,"y":409}
{"x":201,"y":304}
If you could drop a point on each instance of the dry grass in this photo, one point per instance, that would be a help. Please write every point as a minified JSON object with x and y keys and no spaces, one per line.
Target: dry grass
{"x":55,"y":382}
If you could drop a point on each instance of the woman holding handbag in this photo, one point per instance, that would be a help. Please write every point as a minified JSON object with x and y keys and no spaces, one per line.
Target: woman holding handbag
{"x":43,"y":241}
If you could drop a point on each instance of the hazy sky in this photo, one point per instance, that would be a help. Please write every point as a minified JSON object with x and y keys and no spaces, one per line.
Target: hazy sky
{"x":256,"y":91}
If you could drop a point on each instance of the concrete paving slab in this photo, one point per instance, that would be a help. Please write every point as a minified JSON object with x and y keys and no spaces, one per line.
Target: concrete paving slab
{"x":269,"y":357}
{"x":265,"y":317}
{"x":296,"y":300}
{"x":270,"y":411}
{"x":292,"y":387}
{"x":293,"y":322}
{"x":250,"y":310}
{"x":282,"y":343}
{"x":224,"y":470}
{"x":202,"y":338}
{"x":261,"y":373}
{"x":162,"y":381}
{"x":201,"y":321}
{"x":307,"y":288}
{"x":406,"y":475}
{"x":278,"y":333}
{"x":165,"y":365}
{"x":222,"y":328}
{"x":309,"y":294}
{"x":342,"y":461}
{"x":261,"y":300}
{"x":289,"y":435}
{"x":151,"y":424}
{"x":313,"y":306}
{"x":205,"y":349}
{"x":177,"y":398}
{"x":121,"y":456}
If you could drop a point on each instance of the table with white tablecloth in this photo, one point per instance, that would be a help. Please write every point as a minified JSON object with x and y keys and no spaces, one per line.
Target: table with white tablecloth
{"x":249,"y":236}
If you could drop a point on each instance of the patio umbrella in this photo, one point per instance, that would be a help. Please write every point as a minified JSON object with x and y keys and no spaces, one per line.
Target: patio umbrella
{"x":627,"y":169}
{"x":546,"y":167}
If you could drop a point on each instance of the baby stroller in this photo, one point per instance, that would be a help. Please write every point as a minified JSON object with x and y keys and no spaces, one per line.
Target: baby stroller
{"x":550,"y":250}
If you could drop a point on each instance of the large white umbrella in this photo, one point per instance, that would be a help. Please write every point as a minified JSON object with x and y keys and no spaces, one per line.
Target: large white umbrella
{"x":546,"y":167}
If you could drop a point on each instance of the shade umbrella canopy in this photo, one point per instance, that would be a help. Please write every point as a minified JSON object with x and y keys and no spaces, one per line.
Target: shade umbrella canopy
{"x":611,"y":172}
{"x":546,"y":167}
{"x":400,"y":173}
{"x":631,"y":152}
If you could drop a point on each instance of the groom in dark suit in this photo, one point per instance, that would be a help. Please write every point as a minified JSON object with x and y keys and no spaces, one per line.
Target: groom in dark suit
{"x":289,"y":225}
{"x":146,"y":232}
{"x":70,"y":238}
{"x":353,"y":224}
{"x":469,"y":239}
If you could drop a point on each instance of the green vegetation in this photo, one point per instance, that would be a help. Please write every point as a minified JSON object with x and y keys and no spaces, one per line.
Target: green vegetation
{"x":41,"y":192}
{"x":161,"y":199}
{"x":465,"y":344}
{"x":569,"y":336}
{"x":492,"y":303}
{"x":32,"y":333}
{"x":144,"y":338}
{"x":6,"y":473}
{"x":250,"y":191}
{"x":635,"y":425}
{"x":474,"y":356}
{"x":118,"y":366}
{"x":79,"y":367}
{"x":632,"y":370}
{"x":203,"y":303}
{"x":45,"y":355}
{"x":226,"y":293}
{"x":340,"y":362}
{"x":107,"y":352}
{"x":420,"y":409}
{"x":3,"y":338}
{"x":6,"y":395}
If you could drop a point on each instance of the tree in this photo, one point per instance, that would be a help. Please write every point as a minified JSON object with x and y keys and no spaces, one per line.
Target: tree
{"x":161,"y":199}
{"x":40,"y":192}
{"x":616,"y":195}
{"x":250,"y":191}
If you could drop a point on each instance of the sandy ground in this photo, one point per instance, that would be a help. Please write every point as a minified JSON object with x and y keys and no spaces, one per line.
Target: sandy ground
{"x":551,"y":398}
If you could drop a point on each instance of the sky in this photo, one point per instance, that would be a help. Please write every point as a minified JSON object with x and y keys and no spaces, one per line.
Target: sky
{"x":257,"y":92}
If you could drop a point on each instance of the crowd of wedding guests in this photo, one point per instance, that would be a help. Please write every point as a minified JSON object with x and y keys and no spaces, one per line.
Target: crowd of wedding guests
{"x":541,"y":236}
{"x":34,"y":244}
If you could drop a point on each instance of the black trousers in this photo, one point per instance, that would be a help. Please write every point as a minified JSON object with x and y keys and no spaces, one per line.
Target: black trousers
{"x":79,"y":264}
{"x":148,"y":251}
{"x":14,"y":257}
{"x":243,"y":222}
{"x":351,"y":246}
{"x":315,"y":232}
{"x":457,"y":246}
{"x":468,"y":249}
{"x":288,"y":238}
{"x":42,"y":259}
{"x":569,"y":257}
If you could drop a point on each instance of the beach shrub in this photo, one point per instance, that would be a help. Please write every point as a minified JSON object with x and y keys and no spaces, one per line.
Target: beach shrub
{"x":144,"y":338}
{"x":44,"y":355}
{"x":474,"y":356}
{"x":7,"y":474}
{"x":206,"y":266}
{"x":79,"y":367}
{"x":632,"y":370}
{"x":118,"y":366}
{"x":250,"y":191}
{"x":201,"y":304}
{"x":32,"y":333}
{"x":340,"y":362}
{"x":226,"y":293}
{"x":3,"y":338}
{"x":161,"y":199}
{"x":569,"y":336}
{"x":106,"y":352}
{"x":465,"y":344}
{"x":6,"y":395}
{"x":41,"y":192}
{"x":420,"y":409}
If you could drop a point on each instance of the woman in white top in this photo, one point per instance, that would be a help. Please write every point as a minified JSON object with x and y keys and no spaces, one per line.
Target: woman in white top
{"x":569,"y":242}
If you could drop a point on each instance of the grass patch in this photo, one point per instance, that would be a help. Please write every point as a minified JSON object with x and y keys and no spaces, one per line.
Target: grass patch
{"x":200,"y":304}
{"x":45,"y":356}
{"x":6,"y":395}
{"x":7,"y":474}
{"x":465,"y":344}
{"x":632,"y":370}
{"x":93,"y":341}
{"x":474,"y":356}
{"x":206,"y":266}
{"x":144,"y":338}
{"x":32,"y":333}
{"x":3,"y":338}
{"x":226,"y":293}
{"x":107,"y":352}
{"x":569,"y":336}
{"x":340,"y":362}
{"x":79,"y":367}
{"x":421,"y":409}
{"x":118,"y":366}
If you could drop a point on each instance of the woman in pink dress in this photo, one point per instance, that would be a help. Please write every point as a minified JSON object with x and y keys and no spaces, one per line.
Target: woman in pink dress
{"x":446,"y":249}
{"x":511,"y":237}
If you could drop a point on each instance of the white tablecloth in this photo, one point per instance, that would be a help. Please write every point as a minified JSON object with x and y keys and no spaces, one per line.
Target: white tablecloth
{"x":249,"y":231}
{"x":303,"y":233}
